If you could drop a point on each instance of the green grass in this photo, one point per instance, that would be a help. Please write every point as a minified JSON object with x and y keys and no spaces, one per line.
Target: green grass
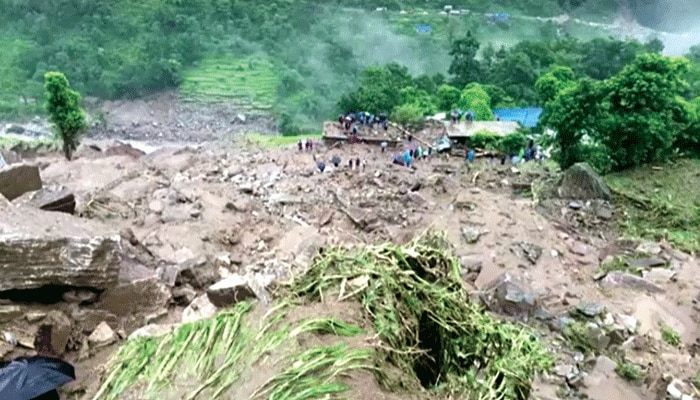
{"x":43,"y":144}
{"x":661,"y":203}
{"x":270,"y":141}
{"x":670,"y":336}
{"x":629,"y":371}
{"x":249,"y":83}
{"x":405,"y":292}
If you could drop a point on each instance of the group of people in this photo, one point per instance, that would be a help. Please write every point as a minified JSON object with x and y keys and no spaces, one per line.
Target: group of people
{"x":352,"y":120}
{"x":457,"y":115}
{"x":336,"y":161}
{"x":305,"y":145}
{"x":411,"y":154}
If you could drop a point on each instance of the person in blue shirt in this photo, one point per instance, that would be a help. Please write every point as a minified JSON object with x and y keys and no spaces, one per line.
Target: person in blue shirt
{"x":470,"y":156}
{"x":407,"y":158}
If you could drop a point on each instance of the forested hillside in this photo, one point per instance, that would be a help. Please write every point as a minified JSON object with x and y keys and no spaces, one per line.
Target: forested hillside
{"x":309,"y":53}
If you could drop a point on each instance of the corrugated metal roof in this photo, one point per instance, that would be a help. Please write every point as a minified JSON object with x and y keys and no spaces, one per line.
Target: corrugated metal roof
{"x":527,"y":117}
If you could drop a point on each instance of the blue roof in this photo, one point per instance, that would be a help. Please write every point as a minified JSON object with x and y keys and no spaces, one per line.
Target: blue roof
{"x":528,"y":117}
{"x":423,"y":29}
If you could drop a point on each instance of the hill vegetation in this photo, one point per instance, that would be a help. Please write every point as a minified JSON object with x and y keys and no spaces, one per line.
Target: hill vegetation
{"x":125,"y":48}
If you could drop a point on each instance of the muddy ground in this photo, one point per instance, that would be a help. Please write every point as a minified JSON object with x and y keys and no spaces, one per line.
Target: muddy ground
{"x":217,"y":210}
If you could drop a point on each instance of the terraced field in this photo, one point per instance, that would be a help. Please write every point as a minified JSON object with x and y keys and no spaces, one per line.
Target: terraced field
{"x":246,"y":83}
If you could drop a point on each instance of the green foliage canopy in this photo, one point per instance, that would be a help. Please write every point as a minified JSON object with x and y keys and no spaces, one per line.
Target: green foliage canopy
{"x":65,"y":112}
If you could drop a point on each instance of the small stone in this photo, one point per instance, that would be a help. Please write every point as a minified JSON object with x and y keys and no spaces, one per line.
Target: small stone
{"x":628,"y":322}
{"x":155,"y":317}
{"x":34,"y":316}
{"x":102,"y":336}
{"x":574,"y":205}
{"x":79,"y":296}
{"x":184,"y":295}
{"x":156,"y":206}
{"x":649,"y":248}
{"x":10,"y":338}
{"x":608,"y":320}
{"x":153,"y":330}
{"x":647,"y":262}
{"x":673,"y":391}
{"x":590,"y":309}
{"x":471,"y":234}
{"x":660,"y":275}
{"x":564,"y":370}
{"x":579,"y":248}
{"x":9,"y":312}
{"x":604,"y":213}
{"x":554,"y":253}
{"x":200,"y":308}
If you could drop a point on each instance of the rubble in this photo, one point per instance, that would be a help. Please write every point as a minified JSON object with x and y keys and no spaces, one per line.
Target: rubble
{"x":527,"y":251}
{"x":619,"y":279}
{"x":58,"y":200}
{"x":504,"y":295}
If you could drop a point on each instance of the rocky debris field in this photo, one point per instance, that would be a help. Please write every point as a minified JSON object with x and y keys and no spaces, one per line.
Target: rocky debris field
{"x":124,"y":244}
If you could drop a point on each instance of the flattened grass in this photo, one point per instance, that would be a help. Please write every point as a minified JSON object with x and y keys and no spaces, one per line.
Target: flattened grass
{"x":661,"y":202}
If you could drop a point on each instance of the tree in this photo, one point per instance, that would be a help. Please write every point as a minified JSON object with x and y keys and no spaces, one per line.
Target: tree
{"x":475,"y":98}
{"x":464,"y":67}
{"x":447,"y":97}
{"x":645,"y":110}
{"x":572,"y":114}
{"x":65,"y":113}
{"x":551,"y":83}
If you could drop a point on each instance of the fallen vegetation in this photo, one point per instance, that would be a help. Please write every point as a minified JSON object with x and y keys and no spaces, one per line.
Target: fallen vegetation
{"x":659,"y":202}
{"x":424,"y":333}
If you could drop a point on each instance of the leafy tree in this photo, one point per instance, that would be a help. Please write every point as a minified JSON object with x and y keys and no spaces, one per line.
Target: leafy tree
{"x":465,"y":67}
{"x":550,"y":84}
{"x":572,"y":114}
{"x":499,"y":97}
{"x":475,"y":98}
{"x":447,"y":97}
{"x":688,"y":141}
{"x":408,"y":114}
{"x":512,"y":143}
{"x":645,"y":110}
{"x":65,"y":112}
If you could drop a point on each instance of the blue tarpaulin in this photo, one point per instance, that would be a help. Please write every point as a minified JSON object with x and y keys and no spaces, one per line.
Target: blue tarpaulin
{"x":527,"y":117}
{"x":424,"y":29}
{"x":500,"y":17}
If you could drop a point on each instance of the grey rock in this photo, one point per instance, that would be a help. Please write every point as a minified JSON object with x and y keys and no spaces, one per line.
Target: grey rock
{"x":647,"y":262}
{"x":200,"y":308}
{"x":9,"y":312}
{"x":574,"y":205}
{"x":619,"y":279}
{"x":41,"y":249}
{"x":604,"y":365}
{"x":142,"y":296}
{"x":153,"y":330}
{"x":590,"y":310}
{"x":505,"y":295}
{"x":470,"y":265}
{"x":648,"y":248}
{"x":596,"y":337}
{"x":604,"y":213}
{"x":565,"y":370}
{"x":14,"y":128}
{"x":16,"y":180}
{"x":184,"y":295}
{"x":660,"y":275}
{"x":58,"y":200}
{"x":102,"y":336}
{"x":53,"y":334}
{"x":230,"y":291}
{"x":80,"y":296}
{"x":470,"y":234}
{"x":579,"y":248}
{"x":527,"y":251}
{"x":628,"y":322}
{"x":580,"y":182}
{"x":34,"y":316}
{"x":673,"y":391}
{"x":463,"y":201}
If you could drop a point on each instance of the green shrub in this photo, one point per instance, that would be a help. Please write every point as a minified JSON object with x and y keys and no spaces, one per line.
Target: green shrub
{"x":512,"y":143}
{"x":484,"y":140}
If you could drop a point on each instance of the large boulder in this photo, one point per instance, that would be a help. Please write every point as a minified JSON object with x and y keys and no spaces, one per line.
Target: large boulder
{"x":41,"y":249}
{"x":17,"y":180}
{"x":581,"y":182}
{"x":60,"y":200}
{"x":230,"y":291}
